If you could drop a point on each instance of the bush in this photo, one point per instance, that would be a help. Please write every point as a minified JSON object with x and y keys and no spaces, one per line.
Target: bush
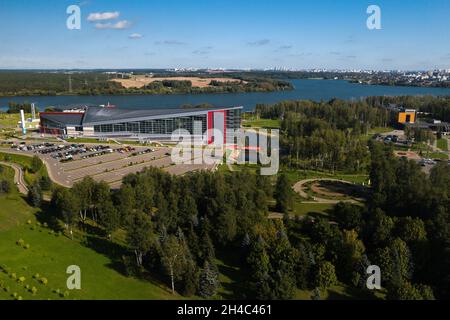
{"x":20,"y":242}
{"x":33,"y":290}
{"x":36,"y":276}
{"x":22,"y":279}
{"x":43,"y":280}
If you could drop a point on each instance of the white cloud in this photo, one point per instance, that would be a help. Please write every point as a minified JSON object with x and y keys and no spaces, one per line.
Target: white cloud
{"x":100,"y":16}
{"x":124,"y":24}
{"x":135,"y":36}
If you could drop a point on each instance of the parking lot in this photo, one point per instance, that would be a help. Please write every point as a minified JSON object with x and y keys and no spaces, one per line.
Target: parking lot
{"x":69,"y":163}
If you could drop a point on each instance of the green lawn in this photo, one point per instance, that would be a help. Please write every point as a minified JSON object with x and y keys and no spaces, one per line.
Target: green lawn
{"x":24,"y":162}
{"x":262,"y":123}
{"x":50,"y":253}
{"x":297,"y":175}
{"x":302,"y":209}
{"x":442,"y":144}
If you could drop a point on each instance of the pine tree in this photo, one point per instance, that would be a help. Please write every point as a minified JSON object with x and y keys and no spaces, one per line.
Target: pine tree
{"x":209,"y":281}
{"x":35,"y":195}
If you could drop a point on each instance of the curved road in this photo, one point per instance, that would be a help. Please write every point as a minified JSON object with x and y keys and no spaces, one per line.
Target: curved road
{"x":298,"y":187}
{"x":18,"y":177}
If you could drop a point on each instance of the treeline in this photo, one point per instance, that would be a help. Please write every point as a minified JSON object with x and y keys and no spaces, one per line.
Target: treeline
{"x":173,"y":223}
{"x":437,"y":107}
{"x":97,"y":83}
{"x":326,"y":135}
{"x":185,"y":86}
{"x":46,"y":83}
{"x":407,"y":204}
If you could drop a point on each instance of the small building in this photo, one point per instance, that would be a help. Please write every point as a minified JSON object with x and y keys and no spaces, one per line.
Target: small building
{"x":407,"y":116}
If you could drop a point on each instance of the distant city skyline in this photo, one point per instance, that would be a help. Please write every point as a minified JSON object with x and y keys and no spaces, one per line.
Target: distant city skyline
{"x":295,"y":35}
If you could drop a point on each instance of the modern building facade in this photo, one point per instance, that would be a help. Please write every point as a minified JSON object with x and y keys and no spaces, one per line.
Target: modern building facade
{"x":157,"y":124}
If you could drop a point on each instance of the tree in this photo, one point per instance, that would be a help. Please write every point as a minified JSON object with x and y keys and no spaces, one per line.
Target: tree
{"x":36,"y":164}
{"x":326,"y":275}
{"x":5,"y":186}
{"x":405,"y":290}
{"x":35,"y":195}
{"x":109,"y":217}
{"x":283,"y":193}
{"x":69,"y":205}
{"x":209,"y":281}
{"x":316,"y":294}
{"x":351,"y":252}
{"x":173,"y":256}
{"x":139,"y":234}
{"x":348,"y":215}
{"x":411,"y":229}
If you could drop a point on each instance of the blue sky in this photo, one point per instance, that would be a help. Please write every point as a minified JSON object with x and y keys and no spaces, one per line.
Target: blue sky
{"x":415,"y":34}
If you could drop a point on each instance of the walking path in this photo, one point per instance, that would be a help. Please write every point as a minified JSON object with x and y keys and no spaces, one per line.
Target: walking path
{"x":18,"y":177}
{"x":298,"y":187}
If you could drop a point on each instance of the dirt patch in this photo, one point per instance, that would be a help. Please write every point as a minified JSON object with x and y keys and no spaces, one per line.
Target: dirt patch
{"x":411,"y":155}
{"x":141,"y":81}
{"x":335,"y":189}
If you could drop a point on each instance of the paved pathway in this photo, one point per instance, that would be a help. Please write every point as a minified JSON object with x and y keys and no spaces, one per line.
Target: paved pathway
{"x":18,"y":177}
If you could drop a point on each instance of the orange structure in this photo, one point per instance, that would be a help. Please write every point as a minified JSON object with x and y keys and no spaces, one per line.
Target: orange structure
{"x":407,"y":116}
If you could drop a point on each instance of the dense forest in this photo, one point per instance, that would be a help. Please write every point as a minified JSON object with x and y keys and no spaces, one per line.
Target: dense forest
{"x":326,"y":135}
{"x":436,"y":107}
{"x":98,"y":83}
{"x":175,"y":226}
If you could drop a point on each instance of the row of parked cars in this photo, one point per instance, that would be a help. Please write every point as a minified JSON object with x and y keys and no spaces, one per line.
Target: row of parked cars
{"x":36,"y":147}
{"x":143,"y":152}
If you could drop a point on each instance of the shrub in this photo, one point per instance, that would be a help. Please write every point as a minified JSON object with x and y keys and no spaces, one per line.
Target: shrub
{"x":21,"y":279}
{"x":13,"y":275}
{"x":66,"y":293}
{"x":27,"y":246}
{"x":36,"y":276}
{"x":34,"y":290}
{"x":20,"y":242}
{"x":29,"y":222}
{"x":43,"y":280}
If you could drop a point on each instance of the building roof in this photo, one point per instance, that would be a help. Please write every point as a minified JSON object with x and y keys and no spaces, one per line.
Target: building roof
{"x":104,"y":115}
{"x":66,"y":118}
{"x":100,"y":115}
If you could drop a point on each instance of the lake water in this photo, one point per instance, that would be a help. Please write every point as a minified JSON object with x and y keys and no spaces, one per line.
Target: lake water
{"x":304,"y":89}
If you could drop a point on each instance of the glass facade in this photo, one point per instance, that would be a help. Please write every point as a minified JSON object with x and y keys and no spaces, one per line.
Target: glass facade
{"x":154,"y":127}
{"x":233,"y":120}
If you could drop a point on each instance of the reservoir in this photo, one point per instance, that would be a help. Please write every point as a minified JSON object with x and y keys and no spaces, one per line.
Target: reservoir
{"x":304,"y":89}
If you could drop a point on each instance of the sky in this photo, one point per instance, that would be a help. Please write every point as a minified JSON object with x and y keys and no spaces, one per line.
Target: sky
{"x":300,"y":34}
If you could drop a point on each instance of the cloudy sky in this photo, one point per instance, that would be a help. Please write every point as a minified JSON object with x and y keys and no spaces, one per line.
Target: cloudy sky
{"x":414,"y":34}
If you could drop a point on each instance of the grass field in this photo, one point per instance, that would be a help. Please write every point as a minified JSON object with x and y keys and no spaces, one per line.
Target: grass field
{"x":262,"y":123}
{"x":24,"y":162}
{"x":311,"y":209}
{"x":50,"y":253}
{"x":442,"y":144}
